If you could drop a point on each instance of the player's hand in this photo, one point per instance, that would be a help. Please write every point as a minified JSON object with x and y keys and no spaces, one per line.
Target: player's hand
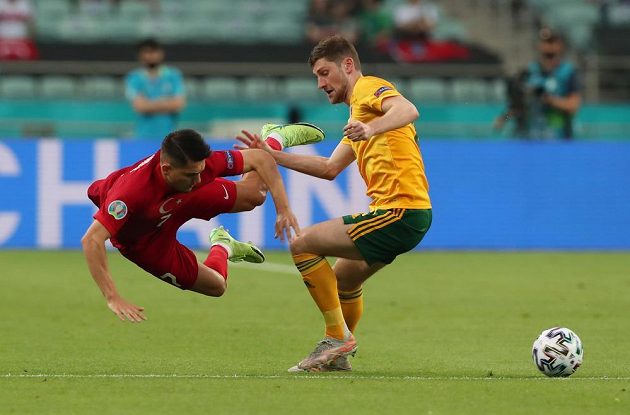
{"x":357,"y":131}
{"x":250,"y":141}
{"x":285,"y":221}
{"x":125,"y":310}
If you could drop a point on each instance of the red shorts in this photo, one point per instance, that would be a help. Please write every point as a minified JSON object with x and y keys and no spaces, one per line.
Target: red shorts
{"x":160,"y":253}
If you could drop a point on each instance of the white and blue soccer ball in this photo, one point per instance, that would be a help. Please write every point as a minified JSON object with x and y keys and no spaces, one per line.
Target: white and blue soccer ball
{"x":558,"y":352}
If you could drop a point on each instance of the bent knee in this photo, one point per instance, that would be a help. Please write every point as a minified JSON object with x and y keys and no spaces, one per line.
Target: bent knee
{"x":214,"y":291}
{"x":297,"y":246}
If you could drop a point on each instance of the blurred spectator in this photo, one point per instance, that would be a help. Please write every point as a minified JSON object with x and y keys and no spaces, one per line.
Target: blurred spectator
{"x":415,"y":20}
{"x":326,"y":18}
{"x":547,"y":96}
{"x":376,"y":24}
{"x":155,"y":91}
{"x":16,"y":30}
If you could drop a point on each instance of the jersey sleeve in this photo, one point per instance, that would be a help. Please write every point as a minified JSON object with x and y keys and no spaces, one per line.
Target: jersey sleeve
{"x":376,"y":92}
{"x":132,"y":86}
{"x":114,"y":213}
{"x":573,"y":83}
{"x":225,"y":163}
{"x":178,"y":84}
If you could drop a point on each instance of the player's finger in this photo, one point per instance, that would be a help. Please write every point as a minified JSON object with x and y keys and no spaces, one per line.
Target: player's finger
{"x":252,"y":137}
{"x":244,"y":140}
{"x":280,"y":231}
{"x":237,"y":147}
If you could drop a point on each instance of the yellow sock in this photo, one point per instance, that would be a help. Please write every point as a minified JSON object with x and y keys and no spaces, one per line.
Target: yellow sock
{"x":352,"y":307}
{"x":321,"y":282}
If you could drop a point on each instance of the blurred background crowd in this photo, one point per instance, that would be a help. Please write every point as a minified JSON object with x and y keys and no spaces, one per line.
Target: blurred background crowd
{"x":481,"y":69}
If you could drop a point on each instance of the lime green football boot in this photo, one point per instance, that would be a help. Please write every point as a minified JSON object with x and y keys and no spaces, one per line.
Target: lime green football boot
{"x":297,"y":134}
{"x":240,"y":251}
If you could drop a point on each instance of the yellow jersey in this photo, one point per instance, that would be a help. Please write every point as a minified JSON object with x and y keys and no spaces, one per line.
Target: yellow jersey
{"x":390,"y":163}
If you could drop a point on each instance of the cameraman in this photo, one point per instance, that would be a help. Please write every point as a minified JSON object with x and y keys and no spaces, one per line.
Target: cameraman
{"x":544,"y":99}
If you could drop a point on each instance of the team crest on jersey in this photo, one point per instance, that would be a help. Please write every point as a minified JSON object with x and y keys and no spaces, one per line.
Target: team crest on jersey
{"x":118,"y":209}
{"x":381,"y":90}
{"x":230,"y":160}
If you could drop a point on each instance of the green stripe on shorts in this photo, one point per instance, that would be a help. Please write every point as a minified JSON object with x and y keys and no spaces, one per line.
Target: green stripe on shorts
{"x":382,"y":235}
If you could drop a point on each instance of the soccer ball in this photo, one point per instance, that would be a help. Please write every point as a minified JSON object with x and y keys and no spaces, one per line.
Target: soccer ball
{"x":558,"y":352}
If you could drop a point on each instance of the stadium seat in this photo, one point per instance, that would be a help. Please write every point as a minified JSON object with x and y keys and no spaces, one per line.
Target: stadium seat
{"x":17,"y":87}
{"x":256,"y":88}
{"x":134,"y":9}
{"x":302,"y":89}
{"x":219,"y":88}
{"x":101,"y":87}
{"x":51,"y":9}
{"x":427,"y":90}
{"x":470,"y":90}
{"x":193,"y":88}
{"x":58,"y":87}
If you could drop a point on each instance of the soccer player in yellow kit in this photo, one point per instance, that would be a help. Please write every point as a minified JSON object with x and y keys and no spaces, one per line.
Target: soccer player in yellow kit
{"x":381,"y":137}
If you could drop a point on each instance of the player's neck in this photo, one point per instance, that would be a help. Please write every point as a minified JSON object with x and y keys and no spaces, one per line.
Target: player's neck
{"x":352,"y":81}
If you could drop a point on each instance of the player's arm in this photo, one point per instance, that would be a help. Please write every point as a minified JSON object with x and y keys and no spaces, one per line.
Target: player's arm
{"x":397,"y":112}
{"x":569,"y":104}
{"x":163,"y":105}
{"x":261,"y":162}
{"x":93,"y":243}
{"x":323,"y":167}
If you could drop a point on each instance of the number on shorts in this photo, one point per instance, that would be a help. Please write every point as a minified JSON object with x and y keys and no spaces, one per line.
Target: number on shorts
{"x":171,"y":279}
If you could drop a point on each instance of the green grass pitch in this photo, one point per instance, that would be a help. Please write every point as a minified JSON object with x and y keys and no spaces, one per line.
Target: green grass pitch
{"x":442,"y":333}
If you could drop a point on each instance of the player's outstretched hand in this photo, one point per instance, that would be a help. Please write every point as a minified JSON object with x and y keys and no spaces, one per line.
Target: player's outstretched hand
{"x":285,"y":221}
{"x":250,"y":140}
{"x":357,"y":131}
{"x":126,"y":311}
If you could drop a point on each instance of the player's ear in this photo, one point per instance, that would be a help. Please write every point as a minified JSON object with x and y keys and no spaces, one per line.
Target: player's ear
{"x":166,"y":168}
{"x":348,"y":65}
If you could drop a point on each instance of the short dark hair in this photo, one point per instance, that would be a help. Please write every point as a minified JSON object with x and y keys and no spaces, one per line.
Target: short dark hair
{"x":334,"y":48}
{"x":149,"y":43}
{"x":184,"y":146}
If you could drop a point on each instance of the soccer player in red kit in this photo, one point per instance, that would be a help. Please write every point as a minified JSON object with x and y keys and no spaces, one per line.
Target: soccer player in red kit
{"x":142,"y":206}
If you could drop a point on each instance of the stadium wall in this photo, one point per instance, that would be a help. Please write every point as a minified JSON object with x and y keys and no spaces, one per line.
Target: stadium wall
{"x":486,"y":195}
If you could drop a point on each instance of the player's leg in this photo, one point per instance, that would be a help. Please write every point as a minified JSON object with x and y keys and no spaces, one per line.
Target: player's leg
{"x":251,"y":191}
{"x":350,"y":277}
{"x":308,"y":250}
{"x":350,"y":274}
{"x":213,"y":272}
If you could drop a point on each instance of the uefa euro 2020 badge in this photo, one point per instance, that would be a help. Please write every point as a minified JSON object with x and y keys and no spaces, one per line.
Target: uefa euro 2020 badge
{"x":117,"y":209}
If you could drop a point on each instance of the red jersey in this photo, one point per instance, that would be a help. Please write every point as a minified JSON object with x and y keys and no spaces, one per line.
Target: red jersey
{"x":137,"y":206}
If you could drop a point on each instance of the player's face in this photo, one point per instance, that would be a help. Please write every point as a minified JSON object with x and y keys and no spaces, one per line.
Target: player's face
{"x":332,"y":80}
{"x":151,"y":58}
{"x":183,"y":179}
{"x":550,"y":54}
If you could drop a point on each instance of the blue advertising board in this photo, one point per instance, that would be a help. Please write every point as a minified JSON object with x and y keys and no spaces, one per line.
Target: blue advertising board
{"x":485,"y":195}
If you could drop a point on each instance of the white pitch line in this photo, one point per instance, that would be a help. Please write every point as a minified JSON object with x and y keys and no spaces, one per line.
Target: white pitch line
{"x":303,"y":376}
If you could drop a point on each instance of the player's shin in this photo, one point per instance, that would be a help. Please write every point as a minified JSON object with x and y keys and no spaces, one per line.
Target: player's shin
{"x":217,"y":260}
{"x":352,"y":306}
{"x":321,"y":282}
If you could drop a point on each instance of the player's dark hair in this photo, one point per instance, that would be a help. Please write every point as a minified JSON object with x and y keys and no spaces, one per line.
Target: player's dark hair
{"x":335,"y":49}
{"x":150,"y":44}
{"x":184,"y":146}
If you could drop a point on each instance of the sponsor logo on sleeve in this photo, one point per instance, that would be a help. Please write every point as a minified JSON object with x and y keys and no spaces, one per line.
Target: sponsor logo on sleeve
{"x":229,"y":158}
{"x":381,"y":90}
{"x":118,"y":209}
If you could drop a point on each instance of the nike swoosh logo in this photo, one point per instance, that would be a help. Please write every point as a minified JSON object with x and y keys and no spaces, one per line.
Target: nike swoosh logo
{"x":226,"y":193}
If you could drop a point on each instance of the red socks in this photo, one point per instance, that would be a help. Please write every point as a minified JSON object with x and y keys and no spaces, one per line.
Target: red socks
{"x":217,"y":260}
{"x":273,"y":143}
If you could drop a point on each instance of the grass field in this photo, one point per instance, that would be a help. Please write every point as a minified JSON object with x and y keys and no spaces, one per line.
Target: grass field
{"x":443,"y":333}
